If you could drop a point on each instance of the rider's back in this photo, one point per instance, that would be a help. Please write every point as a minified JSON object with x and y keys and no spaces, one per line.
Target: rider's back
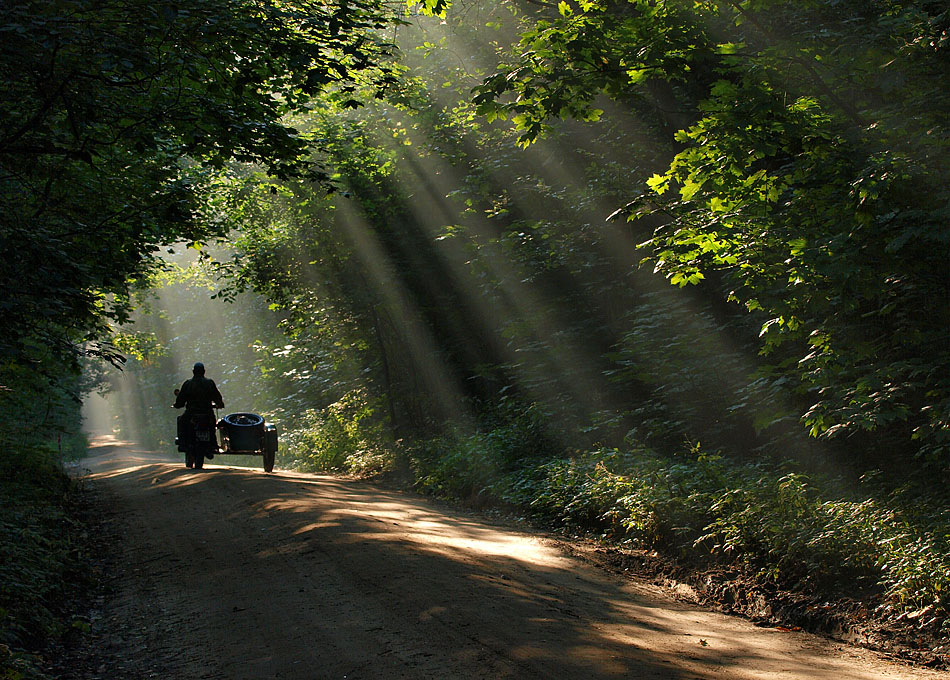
{"x":199,"y":395}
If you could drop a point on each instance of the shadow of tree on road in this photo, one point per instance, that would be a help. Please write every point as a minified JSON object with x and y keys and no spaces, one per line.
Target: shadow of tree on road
{"x":292,"y":575}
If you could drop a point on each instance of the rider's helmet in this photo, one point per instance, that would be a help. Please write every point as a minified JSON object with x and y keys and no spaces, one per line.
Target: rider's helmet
{"x":199,"y":368}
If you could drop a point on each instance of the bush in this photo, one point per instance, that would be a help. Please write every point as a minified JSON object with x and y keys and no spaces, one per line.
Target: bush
{"x":777,"y":523}
{"x":343,"y":437}
{"x":467,"y":464}
{"x":39,"y":555}
{"x":455,"y":467}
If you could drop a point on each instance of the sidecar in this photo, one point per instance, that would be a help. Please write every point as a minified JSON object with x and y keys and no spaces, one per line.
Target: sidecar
{"x":247,"y":434}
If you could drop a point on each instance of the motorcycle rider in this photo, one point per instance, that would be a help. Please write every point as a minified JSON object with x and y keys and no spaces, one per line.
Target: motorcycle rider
{"x":198,"y":395}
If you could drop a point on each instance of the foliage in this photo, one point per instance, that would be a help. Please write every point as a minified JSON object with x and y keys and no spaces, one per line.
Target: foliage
{"x":114,"y":114}
{"x":781,"y":526}
{"x":454,"y":467}
{"x":42,"y":544}
{"x":344,"y":436}
{"x":464,"y":464}
{"x":798,"y":176}
{"x":442,"y":311}
{"x":40,"y":554}
{"x":782,"y":165}
{"x":860,"y":353}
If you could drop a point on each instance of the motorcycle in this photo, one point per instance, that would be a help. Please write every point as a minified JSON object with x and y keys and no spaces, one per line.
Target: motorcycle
{"x":196,"y":437}
{"x":201,"y":436}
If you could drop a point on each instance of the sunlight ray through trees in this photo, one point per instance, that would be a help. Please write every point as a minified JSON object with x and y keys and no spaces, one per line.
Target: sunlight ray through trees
{"x":672,"y":271}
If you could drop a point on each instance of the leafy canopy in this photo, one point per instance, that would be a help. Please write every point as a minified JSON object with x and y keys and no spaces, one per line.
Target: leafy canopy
{"x":116,"y":112}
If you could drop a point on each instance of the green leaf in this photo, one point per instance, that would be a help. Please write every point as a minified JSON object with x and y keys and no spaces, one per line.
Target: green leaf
{"x":690,"y":188}
{"x":659,"y":183}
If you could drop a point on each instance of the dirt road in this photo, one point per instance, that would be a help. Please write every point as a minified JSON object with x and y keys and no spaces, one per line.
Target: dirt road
{"x":230,"y":573}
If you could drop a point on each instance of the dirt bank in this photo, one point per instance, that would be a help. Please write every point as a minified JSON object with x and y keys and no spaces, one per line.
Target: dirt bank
{"x":229,"y":573}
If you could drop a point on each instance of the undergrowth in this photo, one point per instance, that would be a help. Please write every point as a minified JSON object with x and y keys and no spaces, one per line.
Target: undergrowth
{"x":887,"y":545}
{"x":40,"y":549}
{"x":343,"y":437}
{"x":782,"y":526}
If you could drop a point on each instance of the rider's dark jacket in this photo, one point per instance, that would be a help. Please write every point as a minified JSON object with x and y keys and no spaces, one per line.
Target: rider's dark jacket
{"x":199,"y":395}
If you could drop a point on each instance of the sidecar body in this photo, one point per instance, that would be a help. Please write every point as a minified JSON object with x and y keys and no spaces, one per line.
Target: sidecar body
{"x":248,"y":434}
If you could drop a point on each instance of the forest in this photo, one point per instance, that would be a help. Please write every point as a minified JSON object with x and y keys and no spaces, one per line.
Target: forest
{"x":673,"y":274}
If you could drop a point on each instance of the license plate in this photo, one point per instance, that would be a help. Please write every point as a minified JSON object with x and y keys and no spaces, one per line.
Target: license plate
{"x":203,"y":436}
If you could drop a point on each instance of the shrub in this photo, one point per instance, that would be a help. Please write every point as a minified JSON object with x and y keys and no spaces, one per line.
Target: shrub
{"x":455,"y":466}
{"x":39,"y":555}
{"x":343,"y":437}
{"x":781,"y":525}
{"x":467,"y":464}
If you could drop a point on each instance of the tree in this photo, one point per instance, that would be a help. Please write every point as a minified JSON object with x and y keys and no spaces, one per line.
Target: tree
{"x":798,"y":181}
{"x":115,"y":112}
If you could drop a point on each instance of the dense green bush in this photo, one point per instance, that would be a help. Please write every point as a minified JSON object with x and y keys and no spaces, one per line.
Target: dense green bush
{"x":40,"y":548}
{"x":780,"y":526}
{"x":454,"y":466}
{"x":345,"y":436}
{"x":462,"y":464}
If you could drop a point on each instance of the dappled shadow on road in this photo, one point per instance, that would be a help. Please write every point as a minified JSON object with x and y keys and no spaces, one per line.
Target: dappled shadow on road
{"x":367,"y":582}
{"x":109,"y":454}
